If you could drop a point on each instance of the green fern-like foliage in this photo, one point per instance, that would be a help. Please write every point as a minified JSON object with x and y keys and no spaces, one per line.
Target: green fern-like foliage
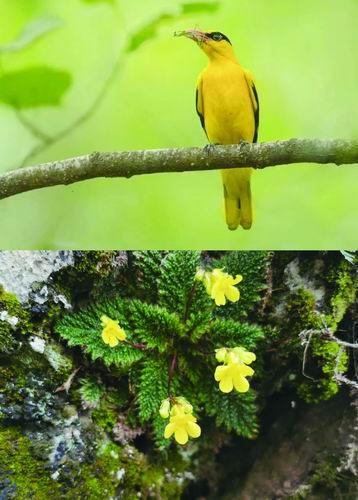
{"x":90,"y":391}
{"x":173,"y":328}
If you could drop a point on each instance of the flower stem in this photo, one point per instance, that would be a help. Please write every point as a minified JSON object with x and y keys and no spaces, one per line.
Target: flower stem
{"x":137,"y":346}
{"x":188,"y":302}
{"x":172,"y":368}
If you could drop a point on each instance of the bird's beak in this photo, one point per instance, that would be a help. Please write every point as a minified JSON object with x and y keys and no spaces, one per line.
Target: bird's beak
{"x":193,"y":34}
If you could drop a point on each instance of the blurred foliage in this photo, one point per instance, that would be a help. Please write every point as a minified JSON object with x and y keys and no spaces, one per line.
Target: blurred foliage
{"x":150,"y":30}
{"x":198,"y":7}
{"x":34,"y":87}
{"x":32,"y":32}
{"x":98,"y":1}
{"x":117,"y":64}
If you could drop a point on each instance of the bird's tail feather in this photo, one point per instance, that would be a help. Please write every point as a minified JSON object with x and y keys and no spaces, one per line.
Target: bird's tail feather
{"x":237,"y":195}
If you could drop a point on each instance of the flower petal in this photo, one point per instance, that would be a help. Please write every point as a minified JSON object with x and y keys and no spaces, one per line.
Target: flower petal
{"x":169,"y":429}
{"x":181,"y":436}
{"x":220,"y":372}
{"x":121,"y":334}
{"x":232,"y":293}
{"x":248,"y":357}
{"x":113,"y":341}
{"x":105,"y":336}
{"x":193,"y":429}
{"x":219,"y":297}
{"x":246,"y":371}
{"x":240,"y":383}
{"x":104,"y":320}
{"x":208,"y":282}
{"x":226,"y":384}
{"x":237,"y":279}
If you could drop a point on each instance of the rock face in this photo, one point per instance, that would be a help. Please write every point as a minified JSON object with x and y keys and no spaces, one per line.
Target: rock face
{"x":302,"y":453}
{"x":64,"y":426}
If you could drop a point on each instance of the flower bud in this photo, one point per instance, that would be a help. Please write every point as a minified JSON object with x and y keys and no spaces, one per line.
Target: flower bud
{"x":164,"y":408}
{"x":185,"y":405}
{"x":220,"y":354}
{"x":199,"y":276}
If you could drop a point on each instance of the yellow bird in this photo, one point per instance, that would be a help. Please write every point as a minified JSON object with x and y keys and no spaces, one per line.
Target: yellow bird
{"x":228,"y":106}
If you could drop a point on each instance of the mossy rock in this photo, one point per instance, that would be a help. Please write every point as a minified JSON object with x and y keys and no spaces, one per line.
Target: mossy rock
{"x":10,"y":334}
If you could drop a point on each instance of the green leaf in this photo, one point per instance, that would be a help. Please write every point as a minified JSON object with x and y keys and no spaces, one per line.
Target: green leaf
{"x":142,"y":322}
{"x":229,"y":333}
{"x":90,"y":390}
{"x":153,"y":387}
{"x":153,"y":325}
{"x":147,"y":268}
{"x":159,"y":425}
{"x":236,"y":412}
{"x":84,"y":329}
{"x":177,"y":281}
{"x":34,"y":87}
{"x":32,"y":32}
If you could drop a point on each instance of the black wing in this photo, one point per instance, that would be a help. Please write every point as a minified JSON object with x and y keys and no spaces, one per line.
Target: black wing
{"x":256,"y":113}
{"x":201,"y":116}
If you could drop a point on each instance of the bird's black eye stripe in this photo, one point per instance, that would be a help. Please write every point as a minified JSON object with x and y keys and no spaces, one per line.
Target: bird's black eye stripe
{"x":217,"y":36}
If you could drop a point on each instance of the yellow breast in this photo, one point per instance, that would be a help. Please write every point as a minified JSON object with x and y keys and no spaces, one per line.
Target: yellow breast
{"x":228,"y":111}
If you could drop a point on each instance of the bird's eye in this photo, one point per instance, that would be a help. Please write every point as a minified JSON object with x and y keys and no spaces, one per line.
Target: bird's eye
{"x":217,"y":37}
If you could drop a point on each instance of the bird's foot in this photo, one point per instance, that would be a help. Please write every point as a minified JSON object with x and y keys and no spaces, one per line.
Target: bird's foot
{"x":209,"y":148}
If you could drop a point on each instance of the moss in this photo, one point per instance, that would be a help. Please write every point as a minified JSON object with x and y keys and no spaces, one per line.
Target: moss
{"x":323,"y":356}
{"x":21,"y":475}
{"x":106,"y":415}
{"x":9,"y":334}
{"x":343,"y":288}
{"x":86,"y":277}
{"x":114,"y":470}
{"x":24,"y":391}
{"x":123,"y":471}
{"x":300,"y":313}
{"x":326,"y":481}
{"x":98,"y":479}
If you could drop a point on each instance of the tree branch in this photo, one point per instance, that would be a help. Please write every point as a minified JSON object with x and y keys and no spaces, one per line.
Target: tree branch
{"x":130,"y":163}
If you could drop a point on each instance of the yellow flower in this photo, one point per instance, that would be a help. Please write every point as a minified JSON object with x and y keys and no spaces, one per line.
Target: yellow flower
{"x":233,"y":373}
{"x":220,"y":286}
{"x":183,"y":425}
{"x":112,"y":333}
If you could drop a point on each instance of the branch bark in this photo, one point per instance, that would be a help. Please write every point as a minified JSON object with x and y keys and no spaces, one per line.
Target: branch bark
{"x":129,"y":163}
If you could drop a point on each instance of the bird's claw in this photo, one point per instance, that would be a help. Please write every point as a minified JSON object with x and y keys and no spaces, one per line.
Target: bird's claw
{"x":209,"y":148}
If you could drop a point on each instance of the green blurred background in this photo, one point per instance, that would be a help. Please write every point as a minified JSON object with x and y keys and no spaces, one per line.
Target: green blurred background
{"x":303,"y":55}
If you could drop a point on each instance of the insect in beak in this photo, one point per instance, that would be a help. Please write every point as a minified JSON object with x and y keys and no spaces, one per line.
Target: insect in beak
{"x":194,"y":34}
